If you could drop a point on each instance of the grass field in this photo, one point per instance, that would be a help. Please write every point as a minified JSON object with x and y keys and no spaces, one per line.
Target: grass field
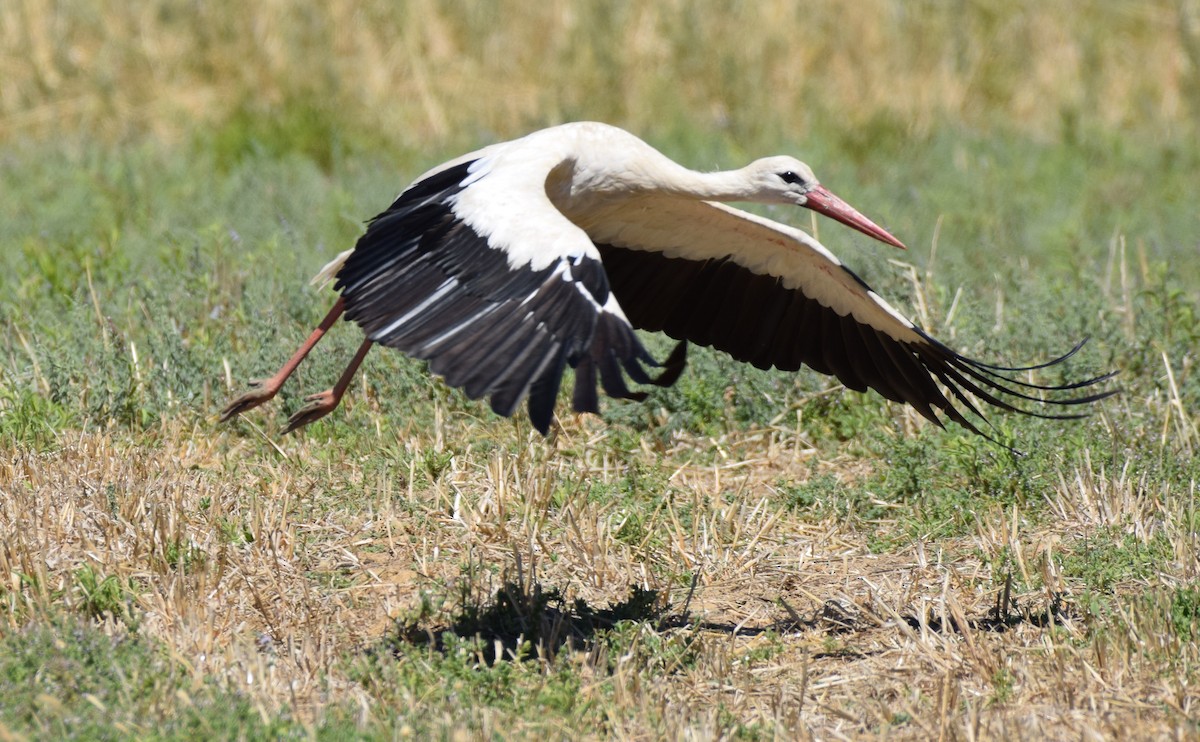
{"x":745,"y":555}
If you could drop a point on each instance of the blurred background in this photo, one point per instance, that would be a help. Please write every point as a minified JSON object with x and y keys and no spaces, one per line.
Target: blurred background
{"x":316,"y":77}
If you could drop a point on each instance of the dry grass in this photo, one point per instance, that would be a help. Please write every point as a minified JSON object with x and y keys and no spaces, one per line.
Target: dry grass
{"x":795,"y":625}
{"x":428,"y":72}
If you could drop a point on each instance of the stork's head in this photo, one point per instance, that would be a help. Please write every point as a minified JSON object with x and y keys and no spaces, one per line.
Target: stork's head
{"x":786,"y":180}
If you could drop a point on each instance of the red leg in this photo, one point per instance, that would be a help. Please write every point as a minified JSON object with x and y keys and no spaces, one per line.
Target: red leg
{"x":321,"y":404}
{"x":264,"y":389}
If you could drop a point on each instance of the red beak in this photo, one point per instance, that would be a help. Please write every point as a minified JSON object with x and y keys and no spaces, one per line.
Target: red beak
{"x":824,"y":202}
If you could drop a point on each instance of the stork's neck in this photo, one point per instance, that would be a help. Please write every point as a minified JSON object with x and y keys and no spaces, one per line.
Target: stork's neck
{"x":722,"y":185}
{"x":615,"y":162}
{"x":669,"y":177}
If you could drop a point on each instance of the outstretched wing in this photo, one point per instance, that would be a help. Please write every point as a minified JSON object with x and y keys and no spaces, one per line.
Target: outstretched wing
{"x":771,"y":295}
{"x":473,"y":269}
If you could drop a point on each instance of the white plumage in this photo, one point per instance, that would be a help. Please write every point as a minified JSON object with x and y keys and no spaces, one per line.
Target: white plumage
{"x":507,"y":265}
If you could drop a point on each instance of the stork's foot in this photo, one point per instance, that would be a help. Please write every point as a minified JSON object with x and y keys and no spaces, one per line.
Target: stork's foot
{"x":319,"y":405}
{"x":261,"y":391}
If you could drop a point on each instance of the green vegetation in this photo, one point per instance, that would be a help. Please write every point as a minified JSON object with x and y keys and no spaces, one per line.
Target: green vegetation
{"x":747,"y":554}
{"x":69,"y":679}
{"x":1108,"y":557}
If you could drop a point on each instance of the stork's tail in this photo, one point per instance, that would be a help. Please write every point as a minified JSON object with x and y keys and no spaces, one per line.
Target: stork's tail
{"x":330,"y":271}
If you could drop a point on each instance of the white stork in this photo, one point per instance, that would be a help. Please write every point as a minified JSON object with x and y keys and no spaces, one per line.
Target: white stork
{"x":507,"y":265}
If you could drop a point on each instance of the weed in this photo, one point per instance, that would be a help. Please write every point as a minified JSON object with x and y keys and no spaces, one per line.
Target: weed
{"x":1185,"y":613}
{"x":186,"y":558}
{"x":102,"y":597}
{"x":1110,"y":557}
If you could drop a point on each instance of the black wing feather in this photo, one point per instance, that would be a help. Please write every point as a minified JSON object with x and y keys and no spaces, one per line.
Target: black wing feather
{"x":422,"y":281}
{"x":756,"y":319}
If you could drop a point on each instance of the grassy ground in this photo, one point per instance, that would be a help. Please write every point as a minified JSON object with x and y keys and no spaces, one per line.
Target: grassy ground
{"x":747,"y":554}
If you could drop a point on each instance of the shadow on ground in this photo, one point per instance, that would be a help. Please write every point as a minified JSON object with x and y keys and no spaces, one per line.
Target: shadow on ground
{"x":524,"y":620}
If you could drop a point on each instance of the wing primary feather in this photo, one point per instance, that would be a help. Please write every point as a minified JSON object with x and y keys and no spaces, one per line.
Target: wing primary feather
{"x":773,"y":312}
{"x":951,"y":355}
{"x":886,"y":378}
{"x":584,"y":397}
{"x":511,"y":383}
{"x":673,"y":365}
{"x":833,"y":349}
{"x":1044,"y":364}
{"x":510,"y":388}
{"x":811,"y":324}
{"x":967,"y":384}
{"x":924,"y":391}
{"x":991,"y":382}
{"x":543,"y":393}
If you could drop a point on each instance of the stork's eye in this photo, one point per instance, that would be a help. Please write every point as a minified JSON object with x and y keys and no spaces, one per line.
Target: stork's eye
{"x":791,"y":178}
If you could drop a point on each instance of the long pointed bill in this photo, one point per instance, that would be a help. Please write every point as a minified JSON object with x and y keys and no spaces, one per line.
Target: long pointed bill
{"x":824,"y":202}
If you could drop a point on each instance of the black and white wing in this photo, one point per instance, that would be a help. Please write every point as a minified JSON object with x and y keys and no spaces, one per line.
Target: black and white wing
{"x":773,"y":296}
{"x":473,"y":269}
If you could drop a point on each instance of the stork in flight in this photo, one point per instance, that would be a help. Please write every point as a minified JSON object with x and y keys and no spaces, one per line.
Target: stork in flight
{"x":503,"y":267}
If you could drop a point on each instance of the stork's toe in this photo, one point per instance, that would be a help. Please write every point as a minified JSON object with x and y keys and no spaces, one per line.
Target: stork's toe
{"x":319,"y":405}
{"x":259,"y":393}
